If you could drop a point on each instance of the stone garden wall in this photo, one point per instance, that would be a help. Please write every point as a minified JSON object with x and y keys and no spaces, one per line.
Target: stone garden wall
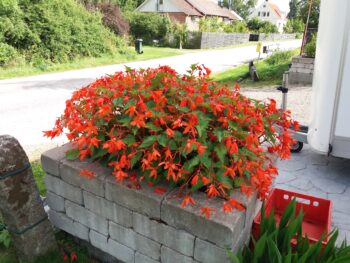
{"x":140,"y":225}
{"x":200,"y":40}
{"x":301,"y":71}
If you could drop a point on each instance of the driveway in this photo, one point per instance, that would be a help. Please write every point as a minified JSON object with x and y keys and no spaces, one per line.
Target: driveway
{"x":30,"y":105}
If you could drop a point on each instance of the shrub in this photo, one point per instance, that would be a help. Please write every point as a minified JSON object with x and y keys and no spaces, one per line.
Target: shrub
{"x":149,"y":26}
{"x":54,"y":30}
{"x":294,"y":26}
{"x":7,"y":54}
{"x":211,"y":24}
{"x":275,"y":242}
{"x":258,"y":26}
{"x":112,"y":17}
{"x":280,"y":57}
{"x":310,"y":48}
{"x":236,"y":27}
{"x":181,"y":130}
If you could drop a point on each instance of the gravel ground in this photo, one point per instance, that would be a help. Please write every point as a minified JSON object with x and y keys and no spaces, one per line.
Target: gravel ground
{"x":299,"y":100}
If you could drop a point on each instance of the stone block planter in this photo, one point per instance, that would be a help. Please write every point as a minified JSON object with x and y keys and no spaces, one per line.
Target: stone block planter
{"x":301,"y":71}
{"x":140,"y":225}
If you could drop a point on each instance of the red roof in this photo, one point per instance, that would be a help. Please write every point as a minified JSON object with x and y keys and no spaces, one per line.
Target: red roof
{"x":276,"y":9}
{"x":203,"y":8}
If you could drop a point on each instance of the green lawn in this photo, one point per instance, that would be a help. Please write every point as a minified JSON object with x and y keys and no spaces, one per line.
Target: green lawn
{"x":149,"y":53}
{"x":269,"y":74}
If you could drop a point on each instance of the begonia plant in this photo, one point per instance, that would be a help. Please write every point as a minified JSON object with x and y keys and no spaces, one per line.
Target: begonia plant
{"x":185,"y":130}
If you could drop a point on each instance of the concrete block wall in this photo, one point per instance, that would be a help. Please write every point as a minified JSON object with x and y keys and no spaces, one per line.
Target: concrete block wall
{"x":301,"y":71}
{"x":140,"y":226}
{"x":219,"y":39}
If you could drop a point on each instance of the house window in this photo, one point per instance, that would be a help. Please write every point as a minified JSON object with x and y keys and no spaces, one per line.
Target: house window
{"x":193,"y":18}
{"x":258,"y":13}
{"x":263,"y":13}
{"x":268,"y":13}
{"x":160,"y":2}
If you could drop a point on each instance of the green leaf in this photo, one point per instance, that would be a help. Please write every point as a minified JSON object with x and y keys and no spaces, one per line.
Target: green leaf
{"x":72,"y":154}
{"x":172,"y":145}
{"x":129,"y":139}
{"x":118,"y":102}
{"x":190,"y":164}
{"x":183,"y":109}
{"x":148,"y":141}
{"x":98,"y":152}
{"x":259,"y":248}
{"x":202,"y":126}
{"x":205,"y":160}
{"x":219,"y":134}
{"x":136,"y":158}
{"x":163,"y":140}
{"x":221,"y":151}
{"x":153,"y":127}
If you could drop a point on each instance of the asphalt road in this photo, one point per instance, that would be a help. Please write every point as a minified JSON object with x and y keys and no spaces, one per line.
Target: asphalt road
{"x":30,"y":105}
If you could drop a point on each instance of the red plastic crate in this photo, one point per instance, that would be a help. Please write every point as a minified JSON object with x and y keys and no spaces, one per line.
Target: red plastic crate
{"x":317,"y":213}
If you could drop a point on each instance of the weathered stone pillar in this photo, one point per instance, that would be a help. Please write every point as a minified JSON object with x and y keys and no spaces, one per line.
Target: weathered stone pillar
{"x":20,"y":203}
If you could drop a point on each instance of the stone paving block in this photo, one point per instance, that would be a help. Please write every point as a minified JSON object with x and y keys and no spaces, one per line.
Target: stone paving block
{"x":139,"y":258}
{"x":301,"y":184}
{"x":86,"y":217}
{"x":108,"y":209}
{"x":61,"y":188}
{"x":176,"y":239}
{"x":171,"y":256}
{"x":329,"y":186}
{"x":70,"y":171}
{"x":221,"y":229}
{"x":143,"y":200}
{"x":55,"y":202}
{"x":130,"y":238}
{"x":341,"y":203}
{"x":65,"y":223}
{"x":50,"y":160}
{"x":206,"y":252}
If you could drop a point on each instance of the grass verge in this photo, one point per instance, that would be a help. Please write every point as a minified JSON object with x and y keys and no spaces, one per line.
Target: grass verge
{"x":270,"y":71}
{"x":149,"y":53}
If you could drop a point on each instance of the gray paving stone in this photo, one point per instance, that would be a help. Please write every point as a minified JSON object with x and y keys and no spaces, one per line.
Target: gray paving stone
{"x":221,"y":229}
{"x":143,"y":200}
{"x":55,"y":202}
{"x":300,"y":184}
{"x":59,"y":187}
{"x":86,"y":217}
{"x":341,"y":220}
{"x":178,"y":240}
{"x":329,"y":186}
{"x":63,"y":222}
{"x":171,"y":256}
{"x":206,"y":252}
{"x":108,"y":209}
{"x":139,"y":258}
{"x":50,"y":160}
{"x":285,"y":177}
{"x":341,"y":203}
{"x":70,"y":173}
{"x":291,"y":166}
{"x":130,"y":238}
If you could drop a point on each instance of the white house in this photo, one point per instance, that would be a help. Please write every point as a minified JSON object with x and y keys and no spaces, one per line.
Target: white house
{"x":188,"y":11}
{"x":269,"y":11}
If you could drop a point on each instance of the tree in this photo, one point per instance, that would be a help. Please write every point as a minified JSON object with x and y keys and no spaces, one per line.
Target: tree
{"x":242,"y":7}
{"x":295,"y":25}
{"x":294,"y":9}
{"x":314,"y":15}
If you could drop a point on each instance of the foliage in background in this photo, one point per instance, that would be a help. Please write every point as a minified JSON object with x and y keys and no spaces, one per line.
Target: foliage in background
{"x":183,"y":130}
{"x":280,"y":57}
{"x":39,"y":175}
{"x":46,"y":31}
{"x":149,"y":26}
{"x":241,"y":7}
{"x":112,"y":17}
{"x":310,"y":48}
{"x":298,"y":9}
{"x":294,"y":26}
{"x":213,"y":24}
{"x":180,"y":33}
{"x":125,"y":5}
{"x":270,"y":73}
{"x":294,"y":9}
{"x":258,"y":26}
{"x":237,"y":27}
{"x":274,"y":242}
